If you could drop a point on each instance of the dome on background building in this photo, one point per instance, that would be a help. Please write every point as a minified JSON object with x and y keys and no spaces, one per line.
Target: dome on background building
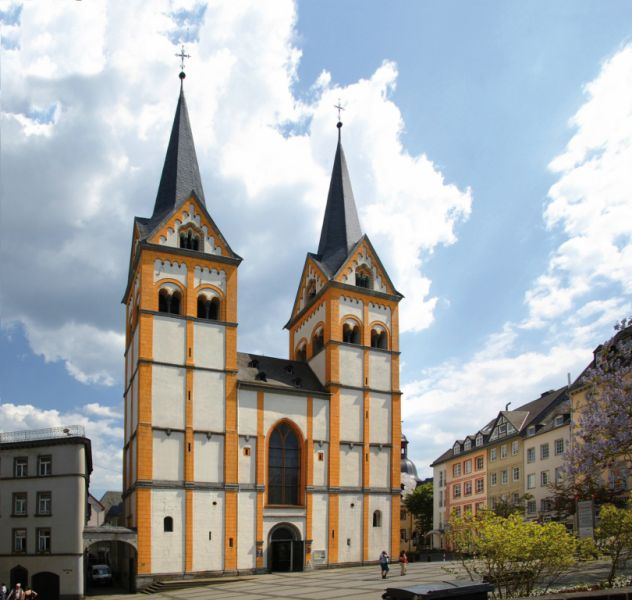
{"x":409,"y":477}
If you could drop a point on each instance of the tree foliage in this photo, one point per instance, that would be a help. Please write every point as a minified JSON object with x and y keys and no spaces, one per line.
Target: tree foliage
{"x":614,"y":536}
{"x":419,"y":504}
{"x":511,"y":553}
{"x":505,"y":507}
{"x":602,"y":432}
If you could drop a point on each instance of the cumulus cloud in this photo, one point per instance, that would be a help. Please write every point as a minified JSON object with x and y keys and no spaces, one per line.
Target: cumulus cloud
{"x":86,"y":120}
{"x":572,"y":306}
{"x":103,"y":427}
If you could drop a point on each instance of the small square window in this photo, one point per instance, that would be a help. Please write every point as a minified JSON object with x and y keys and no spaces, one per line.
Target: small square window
{"x":321,"y":456}
{"x":246,"y":450}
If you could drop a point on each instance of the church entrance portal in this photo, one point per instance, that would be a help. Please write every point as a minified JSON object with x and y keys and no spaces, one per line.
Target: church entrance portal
{"x":286,"y":549}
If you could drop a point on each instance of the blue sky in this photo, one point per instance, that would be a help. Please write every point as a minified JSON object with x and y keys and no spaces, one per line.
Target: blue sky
{"x":489,"y":146}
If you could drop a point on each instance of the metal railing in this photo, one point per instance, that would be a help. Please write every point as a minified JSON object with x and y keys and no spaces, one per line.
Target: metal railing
{"x":42,"y":434}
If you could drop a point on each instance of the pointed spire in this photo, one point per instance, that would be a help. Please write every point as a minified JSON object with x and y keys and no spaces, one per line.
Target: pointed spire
{"x":180,"y":174}
{"x":341,"y":226}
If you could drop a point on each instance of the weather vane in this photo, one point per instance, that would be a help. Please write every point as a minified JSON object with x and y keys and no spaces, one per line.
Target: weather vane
{"x":182,"y":55}
{"x":339,"y":107}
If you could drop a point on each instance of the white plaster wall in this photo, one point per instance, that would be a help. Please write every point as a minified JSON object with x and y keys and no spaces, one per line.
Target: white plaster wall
{"x":208,"y":554}
{"x":379,"y":370}
{"x":169,"y":340}
{"x":170,"y":270}
{"x":379,"y":467}
{"x":320,"y":518}
{"x":247,"y":464}
{"x":204,"y":275}
{"x":208,"y":400}
{"x":168,"y":456}
{"x":351,"y":409}
{"x":379,"y":537}
{"x":350,"y":528}
{"x":208,"y":457}
{"x":247,"y":530}
{"x":247,"y":412}
{"x":320,"y":467}
{"x":351,"y":366}
{"x":353,"y":307}
{"x":378,"y":312}
{"x":320,"y":419}
{"x":278,"y":406}
{"x":350,"y":466}
{"x":305,"y":330}
{"x":208,"y":345}
{"x":318,"y":364}
{"x":167,"y":548}
{"x":380,"y":418}
{"x":168,"y":396}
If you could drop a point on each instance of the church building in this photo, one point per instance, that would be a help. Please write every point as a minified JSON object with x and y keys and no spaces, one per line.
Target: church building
{"x":239,"y":463}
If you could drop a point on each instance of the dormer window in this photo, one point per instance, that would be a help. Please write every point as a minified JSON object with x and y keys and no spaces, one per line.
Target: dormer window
{"x":363,"y":277}
{"x":169,"y":300}
{"x":479,"y":440}
{"x":457,"y":448}
{"x":467,"y":445}
{"x":531,"y":430}
{"x":189,"y":239}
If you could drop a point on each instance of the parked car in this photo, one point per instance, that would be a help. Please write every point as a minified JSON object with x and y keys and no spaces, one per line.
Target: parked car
{"x":101,"y":575}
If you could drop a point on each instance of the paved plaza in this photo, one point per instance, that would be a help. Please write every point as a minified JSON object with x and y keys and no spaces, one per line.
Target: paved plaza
{"x":352,"y":583}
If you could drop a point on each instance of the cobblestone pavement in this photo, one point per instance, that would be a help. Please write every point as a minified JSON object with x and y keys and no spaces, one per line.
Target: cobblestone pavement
{"x":352,"y":583}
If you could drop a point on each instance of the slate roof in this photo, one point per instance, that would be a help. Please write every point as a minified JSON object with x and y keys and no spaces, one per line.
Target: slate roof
{"x":280,"y":373}
{"x":180,"y":173}
{"x":341,"y":225}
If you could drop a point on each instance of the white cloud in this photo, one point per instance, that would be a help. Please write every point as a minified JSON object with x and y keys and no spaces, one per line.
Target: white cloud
{"x":103,"y":429}
{"x":75,"y":181}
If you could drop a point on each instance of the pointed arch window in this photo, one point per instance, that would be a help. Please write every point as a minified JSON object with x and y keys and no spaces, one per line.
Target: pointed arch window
{"x":351,"y":333}
{"x":318,"y":341}
{"x":379,"y":338}
{"x":284,"y":466}
{"x":169,"y":301}
{"x":208,"y":308}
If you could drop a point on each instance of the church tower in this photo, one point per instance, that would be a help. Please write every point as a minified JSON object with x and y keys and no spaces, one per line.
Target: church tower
{"x":180,"y":453}
{"x":345,"y":324}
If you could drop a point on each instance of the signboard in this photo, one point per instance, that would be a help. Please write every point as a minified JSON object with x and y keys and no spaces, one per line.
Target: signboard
{"x":585,"y":518}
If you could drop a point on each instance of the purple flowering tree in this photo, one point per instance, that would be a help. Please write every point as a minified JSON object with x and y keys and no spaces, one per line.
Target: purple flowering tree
{"x":599,"y":460}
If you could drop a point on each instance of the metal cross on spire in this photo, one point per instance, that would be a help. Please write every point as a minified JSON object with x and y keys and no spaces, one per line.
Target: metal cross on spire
{"x":339,"y":107}
{"x":182,"y":55}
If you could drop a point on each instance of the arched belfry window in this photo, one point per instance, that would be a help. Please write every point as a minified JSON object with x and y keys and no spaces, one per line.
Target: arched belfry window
{"x":208,"y":308}
{"x":284,"y":466}
{"x":318,"y":341}
{"x":379,"y":338}
{"x":351,"y":333}
{"x":363,"y":277}
{"x":301,"y":352}
{"x":310,"y":290}
{"x":167,"y":524}
{"x":169,"y":301}
{"x":189,"y":239}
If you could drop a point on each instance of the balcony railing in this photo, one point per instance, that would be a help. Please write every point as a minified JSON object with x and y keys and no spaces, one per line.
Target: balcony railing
{"x":42,"y":434}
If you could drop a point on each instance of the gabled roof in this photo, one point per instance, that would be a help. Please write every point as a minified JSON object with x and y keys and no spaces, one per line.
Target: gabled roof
{"x":341,"y":225}
{"x":180,"y":173}
{"x":515,"y":417}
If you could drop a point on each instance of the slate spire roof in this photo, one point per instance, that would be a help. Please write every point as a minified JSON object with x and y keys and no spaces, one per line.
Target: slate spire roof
{"x":180,"y":174}
{"x":341,"y":226}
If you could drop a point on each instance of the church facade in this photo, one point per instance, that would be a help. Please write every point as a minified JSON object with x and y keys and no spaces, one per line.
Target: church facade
{"x":235,"y":462}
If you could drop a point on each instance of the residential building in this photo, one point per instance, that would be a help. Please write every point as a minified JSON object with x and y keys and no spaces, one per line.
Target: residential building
{"x":240,"y":462}
{"x":43,"y":498}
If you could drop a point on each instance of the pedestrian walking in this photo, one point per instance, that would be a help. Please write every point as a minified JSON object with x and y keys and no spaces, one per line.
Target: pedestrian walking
{"x":3,"y":591}
{"x":403,"y":562}
{"x":17,"y":593}
{"x":384,"y":558}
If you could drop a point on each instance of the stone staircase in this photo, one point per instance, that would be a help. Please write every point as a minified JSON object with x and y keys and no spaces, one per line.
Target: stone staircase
{"x":168,"y":585}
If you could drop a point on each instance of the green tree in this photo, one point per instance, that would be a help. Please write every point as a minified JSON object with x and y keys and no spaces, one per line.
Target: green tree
{"x":419,"y":504}
{"x":511,"y":553}
{"x":614,"y":536}
{"x":505,"y":508}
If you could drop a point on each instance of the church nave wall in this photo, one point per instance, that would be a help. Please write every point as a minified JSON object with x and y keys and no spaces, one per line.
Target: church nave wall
{"x":208,"y":530}
{"x":319,"y":473}
{"x":168,"y":392}
{"x":285,"y":406}
{"x":320,"y":419}
{"x":169,"y":340}
{"x":350,"y":528}
{"x":168,"y":455}
{"x":247,"y":415}
{"x":247,"y":460}
{"x":209,"y":397}
{"x":167,"y":547}
{"x":318,"y":364}
{"x":208,"y":451}
{"x":246,"y":534}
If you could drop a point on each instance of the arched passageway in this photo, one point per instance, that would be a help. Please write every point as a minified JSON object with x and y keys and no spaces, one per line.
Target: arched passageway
{"x":287,"y":550}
